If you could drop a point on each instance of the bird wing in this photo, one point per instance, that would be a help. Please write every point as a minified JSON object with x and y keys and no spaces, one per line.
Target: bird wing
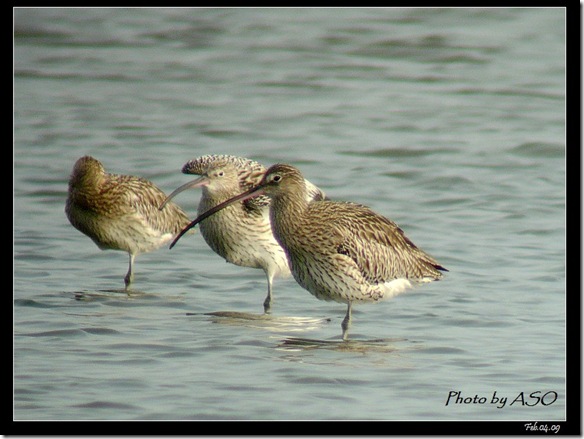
{"x":250,"y":174}
{"x":141,"y":198}
{"x":379,"y":247}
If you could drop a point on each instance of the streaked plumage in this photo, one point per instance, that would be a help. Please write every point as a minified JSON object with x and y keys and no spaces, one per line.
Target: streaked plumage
{"x":120,"y":212}
{"x":338,"y":251}
{"x":240,"y":233}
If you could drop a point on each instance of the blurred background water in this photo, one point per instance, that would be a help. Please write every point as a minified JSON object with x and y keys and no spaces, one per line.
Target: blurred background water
{"x":449,"y":121}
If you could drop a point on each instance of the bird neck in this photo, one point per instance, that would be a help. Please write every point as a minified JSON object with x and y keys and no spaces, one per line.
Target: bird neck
{"x":287,"y":214}
{"x":217,"y":196}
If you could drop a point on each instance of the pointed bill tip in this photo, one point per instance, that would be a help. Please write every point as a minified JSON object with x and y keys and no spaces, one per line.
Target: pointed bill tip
{"x":183,"y":231}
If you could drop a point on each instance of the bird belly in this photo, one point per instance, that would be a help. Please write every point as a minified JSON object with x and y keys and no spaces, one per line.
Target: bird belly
{"x":126,"y":233}
{"x":250,"y":246}
{"x":336,"y":278}
{"x":136,"y":236}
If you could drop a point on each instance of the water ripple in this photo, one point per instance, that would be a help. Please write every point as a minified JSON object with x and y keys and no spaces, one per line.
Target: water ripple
{"x":400,"y":152}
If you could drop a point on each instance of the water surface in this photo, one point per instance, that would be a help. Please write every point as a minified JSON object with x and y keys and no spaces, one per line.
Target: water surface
{"x":451,"y":122}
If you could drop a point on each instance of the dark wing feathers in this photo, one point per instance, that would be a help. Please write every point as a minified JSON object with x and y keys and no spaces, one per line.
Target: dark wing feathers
{"x":379,"y":247}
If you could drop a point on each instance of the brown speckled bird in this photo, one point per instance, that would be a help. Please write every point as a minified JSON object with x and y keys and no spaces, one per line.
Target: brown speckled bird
{"x":240,"y":233}
{"x":338,"y":251}
{"x":120,"y":212}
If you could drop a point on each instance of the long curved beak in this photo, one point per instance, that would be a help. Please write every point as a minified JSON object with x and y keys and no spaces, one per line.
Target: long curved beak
{"x":258,"y":190}
{"x":201,"y":181}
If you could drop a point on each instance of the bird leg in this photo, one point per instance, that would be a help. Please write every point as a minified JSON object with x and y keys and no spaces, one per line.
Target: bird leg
{"x":346,"y":322}
{"x":130,"y":275}
{"x":268,"y":301}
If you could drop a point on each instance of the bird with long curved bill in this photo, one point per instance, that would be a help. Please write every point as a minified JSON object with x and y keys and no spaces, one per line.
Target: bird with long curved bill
{"x":240,"y":233}
{"x":339,"y":251}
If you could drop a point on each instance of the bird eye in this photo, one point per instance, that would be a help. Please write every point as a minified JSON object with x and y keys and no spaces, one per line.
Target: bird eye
{"x":277,"y":178}
{"x":220,"y":173}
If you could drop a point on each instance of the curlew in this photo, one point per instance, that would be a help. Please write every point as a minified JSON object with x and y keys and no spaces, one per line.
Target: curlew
{"x":338,"y":251}
{"x":120,"y":212}
{"x":241,"y":234}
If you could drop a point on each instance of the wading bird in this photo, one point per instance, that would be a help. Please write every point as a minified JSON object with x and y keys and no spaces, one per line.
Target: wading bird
{"x":338,"y":251}
{"x":240,"y":233}
{"x":120,"y":212}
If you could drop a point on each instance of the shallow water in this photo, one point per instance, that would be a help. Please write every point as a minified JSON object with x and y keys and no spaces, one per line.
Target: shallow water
{"x":451,"y":122}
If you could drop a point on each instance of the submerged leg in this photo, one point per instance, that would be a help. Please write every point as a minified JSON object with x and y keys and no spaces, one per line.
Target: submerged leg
{"x":346,"y":322}
{"x":268,"y":301}
{"x":130,"y":275}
